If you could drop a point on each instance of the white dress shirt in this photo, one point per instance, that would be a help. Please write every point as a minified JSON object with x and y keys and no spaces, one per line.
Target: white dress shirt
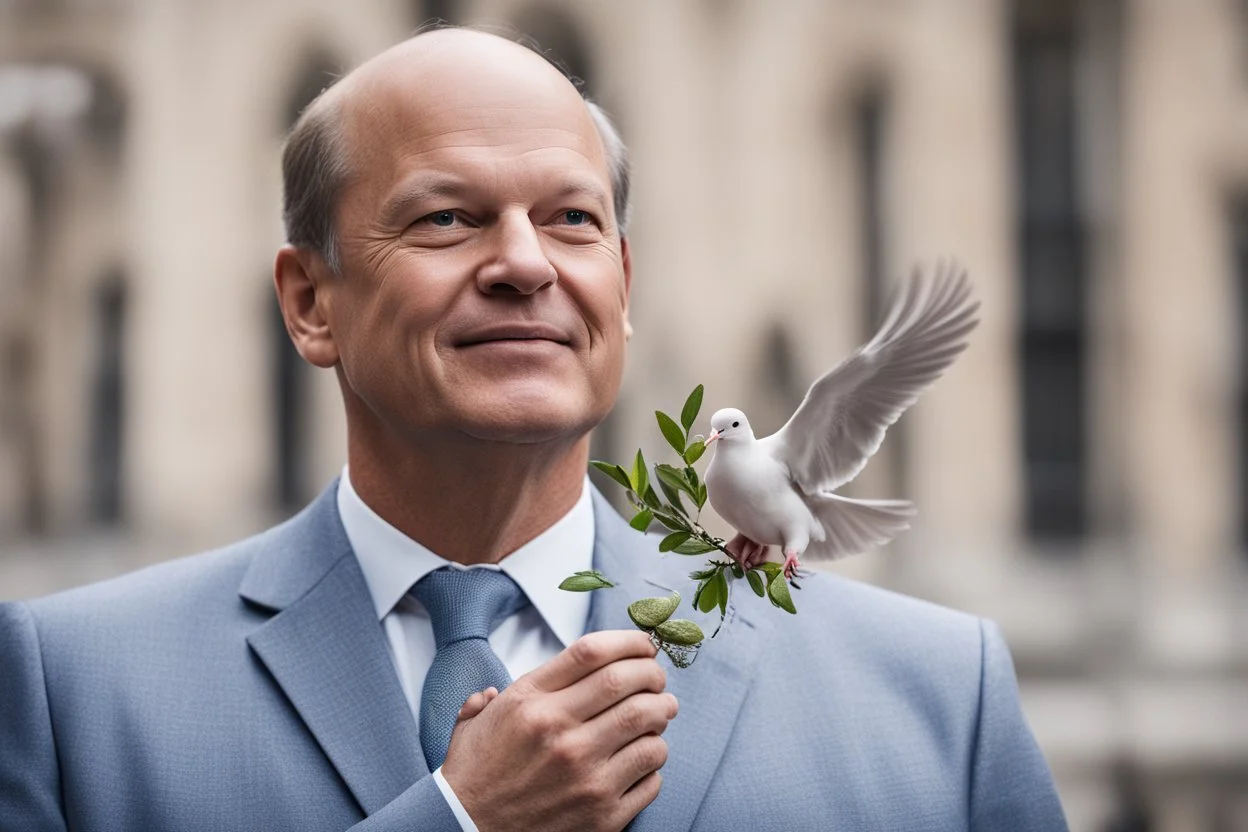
{"x":392,"y":562}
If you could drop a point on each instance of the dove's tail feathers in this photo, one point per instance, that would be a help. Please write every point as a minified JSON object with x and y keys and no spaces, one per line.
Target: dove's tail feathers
{"x":853,"y":526}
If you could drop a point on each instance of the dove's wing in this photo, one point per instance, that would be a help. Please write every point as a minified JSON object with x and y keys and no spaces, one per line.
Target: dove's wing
{"x":842,"y":420}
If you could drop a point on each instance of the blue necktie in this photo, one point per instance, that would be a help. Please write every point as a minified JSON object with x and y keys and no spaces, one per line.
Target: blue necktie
{"x":464,"y":606}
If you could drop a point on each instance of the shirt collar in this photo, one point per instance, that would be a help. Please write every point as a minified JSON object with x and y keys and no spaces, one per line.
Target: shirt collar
{"x":392,"y":562}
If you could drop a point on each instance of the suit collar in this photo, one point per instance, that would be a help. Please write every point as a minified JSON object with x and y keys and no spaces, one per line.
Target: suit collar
{"x":327,"y":652}
{"x":711,"y":691}
{"x":296,"y":555}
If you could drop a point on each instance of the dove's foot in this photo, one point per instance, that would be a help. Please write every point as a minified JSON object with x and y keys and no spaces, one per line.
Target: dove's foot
{"x":791,"y":565}
{"x":747,"y":552}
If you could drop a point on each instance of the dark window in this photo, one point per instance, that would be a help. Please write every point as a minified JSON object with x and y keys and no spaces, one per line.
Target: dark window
{"x":1052,"y":247}
{"x":558,"y":38}
{"x":107,"y":401}
{"x":870,"y":125}
{"x":446,"y":11}
{"x":289,"y":423}
{"x":1239,"y":253}
{"x":868,"y":119}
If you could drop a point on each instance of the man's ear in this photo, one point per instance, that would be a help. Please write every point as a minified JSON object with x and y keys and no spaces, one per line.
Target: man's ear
{"x":628,"y":284}
{"x":298,"y":275}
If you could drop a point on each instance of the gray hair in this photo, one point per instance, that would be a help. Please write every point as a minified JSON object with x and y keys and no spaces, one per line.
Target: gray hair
{"x":315,"y":168}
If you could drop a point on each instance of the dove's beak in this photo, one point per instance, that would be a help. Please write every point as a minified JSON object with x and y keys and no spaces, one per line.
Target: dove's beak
{"x":714,"y":435}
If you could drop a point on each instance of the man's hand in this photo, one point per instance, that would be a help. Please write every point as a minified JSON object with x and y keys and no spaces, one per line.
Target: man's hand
{"x":573,"y":745}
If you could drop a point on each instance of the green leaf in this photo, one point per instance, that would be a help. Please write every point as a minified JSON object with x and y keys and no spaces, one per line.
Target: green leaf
{"x":671,"y":521}
{"x":651,"y":498}
{"x":680,"y":631}
{"x":689,"y":413}
{"x":721,"y":586}
{"x":694,"y":546}
{"x":771,"y":568}
{"x":737,"y":571}
{"x":703,"y":574}
{"x":700,"y":499}
{"x":639,"y":478}
{"x":693,"y":452}
{"x":671,"y":431}
{"x":673,"y":540}
{"x":672,"y":495}
{"x":582,"y":582}
{"x":709,"y":597}
{"x":702,"y":582}
{"x":613,"y":471}
{"x":641,"y":521}
{"x":756,"y":583}
{"x":778,"y":589}
{"x":674,"y":478}
{"x":649,"y":613}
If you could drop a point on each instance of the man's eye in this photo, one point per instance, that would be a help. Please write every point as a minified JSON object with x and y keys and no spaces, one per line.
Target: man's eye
{"x":575,"y":217}
{"x":442,"y":219}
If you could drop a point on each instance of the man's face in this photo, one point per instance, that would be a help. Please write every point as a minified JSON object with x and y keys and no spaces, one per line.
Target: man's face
{"x":484,"y":286}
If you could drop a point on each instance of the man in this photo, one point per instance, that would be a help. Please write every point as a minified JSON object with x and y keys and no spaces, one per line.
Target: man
{"x":457,"y":257}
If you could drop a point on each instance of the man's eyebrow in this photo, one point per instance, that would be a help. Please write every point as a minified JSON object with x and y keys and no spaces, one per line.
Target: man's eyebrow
{"x":415,"y":192}
{"x":589,"y":190}
{"x":426,"y":189}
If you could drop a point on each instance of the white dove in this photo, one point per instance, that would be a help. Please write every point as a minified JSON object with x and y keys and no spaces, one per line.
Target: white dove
{"x":778,"y":490}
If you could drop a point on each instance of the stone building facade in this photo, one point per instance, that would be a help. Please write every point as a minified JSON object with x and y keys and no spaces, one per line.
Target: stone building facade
{"x":1080,"y":472}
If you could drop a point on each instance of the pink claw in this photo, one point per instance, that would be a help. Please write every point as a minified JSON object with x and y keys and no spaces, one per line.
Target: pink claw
{"x":747,"y":552}
{"x":791,"y":565}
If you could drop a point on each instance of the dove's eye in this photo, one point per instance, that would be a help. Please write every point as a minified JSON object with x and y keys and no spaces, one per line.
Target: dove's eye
{"x":736,"y":424}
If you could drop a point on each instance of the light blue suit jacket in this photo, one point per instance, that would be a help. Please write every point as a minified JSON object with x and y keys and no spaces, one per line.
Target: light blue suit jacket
{"x":252,"y":688}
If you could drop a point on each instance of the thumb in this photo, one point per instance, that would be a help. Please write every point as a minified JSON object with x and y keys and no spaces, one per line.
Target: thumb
{"x":475,"y":704}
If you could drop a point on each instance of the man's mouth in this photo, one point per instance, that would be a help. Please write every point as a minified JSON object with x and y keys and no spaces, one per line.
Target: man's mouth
{"x":514,"y":332}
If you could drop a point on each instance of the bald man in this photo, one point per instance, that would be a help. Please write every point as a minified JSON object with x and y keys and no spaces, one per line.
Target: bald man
{"x":457,"y":256}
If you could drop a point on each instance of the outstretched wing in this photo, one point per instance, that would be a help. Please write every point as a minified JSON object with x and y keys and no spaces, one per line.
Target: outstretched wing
{"x":842,"y":420}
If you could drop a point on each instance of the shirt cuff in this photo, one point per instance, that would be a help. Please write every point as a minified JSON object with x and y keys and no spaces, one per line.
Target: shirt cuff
{"x":457,"y":808}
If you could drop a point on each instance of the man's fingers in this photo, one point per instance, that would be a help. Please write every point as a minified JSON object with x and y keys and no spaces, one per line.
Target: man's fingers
{"x":641,"y":795}
{"x":637,"y":716}
{"x":607,"y":686}
{"x":587,"y":654}
{"x":638,"y":764}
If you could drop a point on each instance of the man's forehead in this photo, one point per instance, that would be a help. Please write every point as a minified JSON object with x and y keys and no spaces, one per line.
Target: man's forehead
{"x":451,"y":80}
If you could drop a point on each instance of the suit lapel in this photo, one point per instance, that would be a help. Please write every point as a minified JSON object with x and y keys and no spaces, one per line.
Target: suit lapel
{"x":327,"y":651}
{"x":711,"y":691}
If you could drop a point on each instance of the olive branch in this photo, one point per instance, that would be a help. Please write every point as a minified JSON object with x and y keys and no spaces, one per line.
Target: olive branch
{"x":667,"y":508}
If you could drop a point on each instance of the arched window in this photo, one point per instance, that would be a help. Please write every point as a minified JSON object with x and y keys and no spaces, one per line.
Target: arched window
{"x":66,"y":119}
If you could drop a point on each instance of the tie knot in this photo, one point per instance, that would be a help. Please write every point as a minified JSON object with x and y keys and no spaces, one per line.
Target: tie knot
{"x":467,"y":603}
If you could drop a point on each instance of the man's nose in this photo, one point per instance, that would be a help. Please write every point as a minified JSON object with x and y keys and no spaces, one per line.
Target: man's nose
{"x":518,"y":264}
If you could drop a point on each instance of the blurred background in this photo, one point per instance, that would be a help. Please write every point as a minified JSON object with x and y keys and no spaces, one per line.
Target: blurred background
{"x":1080,"y":472}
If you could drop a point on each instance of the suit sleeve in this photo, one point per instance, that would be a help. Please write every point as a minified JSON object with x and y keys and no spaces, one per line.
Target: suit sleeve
{"x":1011,"y":786}
{"x":30,"y":780}
{"x":422,"y":803}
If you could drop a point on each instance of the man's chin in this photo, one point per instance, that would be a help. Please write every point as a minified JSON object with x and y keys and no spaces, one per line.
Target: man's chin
{"x":532,"y":418}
